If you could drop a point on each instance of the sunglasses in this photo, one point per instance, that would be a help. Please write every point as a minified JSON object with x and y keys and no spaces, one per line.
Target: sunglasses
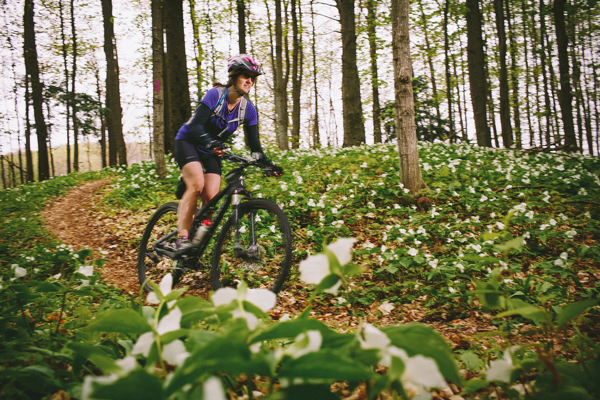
{"x":247,"y":75}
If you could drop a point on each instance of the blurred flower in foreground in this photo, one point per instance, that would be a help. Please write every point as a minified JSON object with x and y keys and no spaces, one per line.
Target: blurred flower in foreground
{"x":500,"y":370}
{"x":261,"y":298}
{"x":419,"y":372}
{"x":316,"y":268}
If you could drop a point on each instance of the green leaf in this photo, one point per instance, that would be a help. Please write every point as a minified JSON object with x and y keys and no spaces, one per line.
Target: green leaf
{"x":138,"y":384}
{"x":303,"y":392}
{"x":325,"y":365}
{"x":328,"y":282}
{"x":351,"y":269}
{"x":421,"y":339}
{"x":120,"y":321}
{"x":519,"y":307}
{"x":515,"y":244}
{"x":572,"y":310}
{"x":472,"y":361}
{"x":488,"y":293}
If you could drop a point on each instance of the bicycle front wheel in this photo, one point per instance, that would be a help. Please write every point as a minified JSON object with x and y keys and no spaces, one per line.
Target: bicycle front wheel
{"x":255,"y":248}
{"x":160,"y":233}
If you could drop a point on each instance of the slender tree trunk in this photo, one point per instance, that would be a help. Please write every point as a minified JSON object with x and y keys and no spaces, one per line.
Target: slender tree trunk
{"x":447,"y":70}
{"x":280,"y":93}
{"x":547,"y":108}
{"x":507,"y":134}
{"x":29,"y":177}
{"x":371,"y":28}
{"x":354,"y":128}
{"x":430,"y":54}
{"x":33,"y":71}
{"x":117,"y":148}
{"x":68,"y":99}
{"x":297,"y":62}
{"x":101,"y":115}
{"x":460,"y":112}
{"x":176,"y":73}
{"x":477,"y":80}
{"x":565,"y":95}
{"x":159,"y":96}
{"x":50,"y":154}
{"x":405,"y":118}
{"x":198,"y":52}
{"x":596,"y":89}
{"x":525,"y":20}
{"x":514,"y":75}
{"x":316,"y":133}
{"x":241,"y":11}
{"x":73,"y":99}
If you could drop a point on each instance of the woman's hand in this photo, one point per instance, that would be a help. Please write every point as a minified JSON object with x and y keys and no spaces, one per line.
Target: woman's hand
{"x":219,"y":152}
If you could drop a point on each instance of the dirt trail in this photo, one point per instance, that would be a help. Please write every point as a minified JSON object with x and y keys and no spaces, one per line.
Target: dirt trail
{"x":70,"y":219}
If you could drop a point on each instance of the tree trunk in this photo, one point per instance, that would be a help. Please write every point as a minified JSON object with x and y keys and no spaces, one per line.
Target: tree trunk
{"x":354,"y":128}
{"x":429,"y":54}
{"x":405,"y":117}
{"x":477,"y":80}
{"x":525,"y":19}
{"x":198,"y":53}
{"x":542,"y":52}
{"x":297,"y":62}
{"x":177,"y":83}
{"x":507,"y":135}
{"x":565,"y":94}
{"x":73,"y":99}
{"x":241,"y":11}
{"x":371,"y":25}
{"x":114,"y":112}
{"x":280,"y":93}
{"x":514,"y":75}
{"x":447,"y":70}
{"x":28,"y":155}
{"x":101,"y":115}
{"x":33,"y":71}
{"x":158,"y":97}
{"x":68,"y":100}
{"x":316,"y":133}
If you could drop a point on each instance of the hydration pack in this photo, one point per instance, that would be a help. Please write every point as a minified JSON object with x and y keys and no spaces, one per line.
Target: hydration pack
{"x":223,"y":91}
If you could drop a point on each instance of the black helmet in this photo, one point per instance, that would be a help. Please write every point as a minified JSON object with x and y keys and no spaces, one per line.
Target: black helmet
{"x":241,"y":63}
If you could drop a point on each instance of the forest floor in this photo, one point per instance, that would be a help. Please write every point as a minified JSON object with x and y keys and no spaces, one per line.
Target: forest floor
{"x":73,"y":218}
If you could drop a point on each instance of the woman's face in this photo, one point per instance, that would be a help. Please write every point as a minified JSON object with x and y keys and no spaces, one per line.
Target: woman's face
{"x":244,"y":82}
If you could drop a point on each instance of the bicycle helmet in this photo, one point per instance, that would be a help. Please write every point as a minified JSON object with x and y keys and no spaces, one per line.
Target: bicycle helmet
{"x":241,"y":63}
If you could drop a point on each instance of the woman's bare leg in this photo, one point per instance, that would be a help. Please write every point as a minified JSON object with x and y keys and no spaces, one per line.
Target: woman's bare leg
{"x":193,"y":176}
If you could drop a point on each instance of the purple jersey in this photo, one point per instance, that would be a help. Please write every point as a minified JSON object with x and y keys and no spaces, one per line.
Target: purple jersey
{"x":218,"y":127}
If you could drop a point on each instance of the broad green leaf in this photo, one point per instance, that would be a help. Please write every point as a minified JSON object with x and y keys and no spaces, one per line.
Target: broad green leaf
{"x":351,"y":269}
{"x":572,"y":310}
{"x":307,"y":391}
{"x":515,"y":244}
{"x":472,"y":361}
{"x":328,"y":282}
{"x":291,"y":329}
{"x":120,"y":321}
{"x":101,"y":356}
{"x":519,"y":307}
{"x":488,"y":293}
{"x":421,"y":339}
{"x":46,"y":287}
{"x":326,"y":365}
{"x":138,"y":384}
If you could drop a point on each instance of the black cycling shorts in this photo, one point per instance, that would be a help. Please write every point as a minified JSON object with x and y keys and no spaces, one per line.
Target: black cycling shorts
{"x":186,"y":152}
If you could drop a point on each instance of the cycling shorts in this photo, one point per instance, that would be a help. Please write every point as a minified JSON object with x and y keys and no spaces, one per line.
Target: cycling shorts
{"x":186,"y":152}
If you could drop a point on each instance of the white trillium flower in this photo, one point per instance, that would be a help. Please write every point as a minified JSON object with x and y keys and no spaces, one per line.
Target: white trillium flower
{"x":175,"y":353}
{"x":165,"y":286}
{"x":261,"y":298}
{"x":19,"y":271}
{"x":315,"y":268}
{"x":213,"y":389}
{"x":500,"y":370}
{"x":304,"y":343}
{"x":87,"y":270}
{"x":170,"y":322}
{"x":143,"y":344}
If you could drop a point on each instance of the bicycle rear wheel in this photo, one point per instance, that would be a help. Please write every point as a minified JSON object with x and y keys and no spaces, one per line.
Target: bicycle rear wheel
{"x":256,"y":250}
{"x":161,"y":232}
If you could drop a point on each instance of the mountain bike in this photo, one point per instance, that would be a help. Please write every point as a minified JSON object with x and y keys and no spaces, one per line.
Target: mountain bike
{"x":253,"y":245}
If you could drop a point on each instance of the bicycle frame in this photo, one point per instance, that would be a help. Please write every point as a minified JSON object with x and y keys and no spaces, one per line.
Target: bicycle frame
{"x":235,"y":186}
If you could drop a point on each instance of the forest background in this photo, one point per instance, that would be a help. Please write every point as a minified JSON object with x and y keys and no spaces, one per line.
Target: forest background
{"x":506,"y":61}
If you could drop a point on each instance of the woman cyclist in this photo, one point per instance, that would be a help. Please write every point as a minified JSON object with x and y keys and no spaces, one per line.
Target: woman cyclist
{"x":199,"y":143}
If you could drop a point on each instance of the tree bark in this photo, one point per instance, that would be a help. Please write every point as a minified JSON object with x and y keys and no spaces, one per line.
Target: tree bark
{"x":73,"y":99}
{"x":371,"y":29}
{"x":354,"y":128}
{"x":241,"y":11}
{"x":565,"y":94}
{"x":542,"y":52}
{"x":158,"y":122}
{"x":507,"y":135}
{"x":198,"y":52}
{"x":316,"y":134}
{"x":477,"y":80}
{"x":117,"y":149}
{"x":33,"y":71}
{"x":68,"y":100}
{"x":405,"y":119}
{"x":280,"y":93}
{"x":297,"y":61}
{"x":177,"y":82}
{"x":28,"y":155}
{"x":514,"y":76}
{"x":447,"y":70}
